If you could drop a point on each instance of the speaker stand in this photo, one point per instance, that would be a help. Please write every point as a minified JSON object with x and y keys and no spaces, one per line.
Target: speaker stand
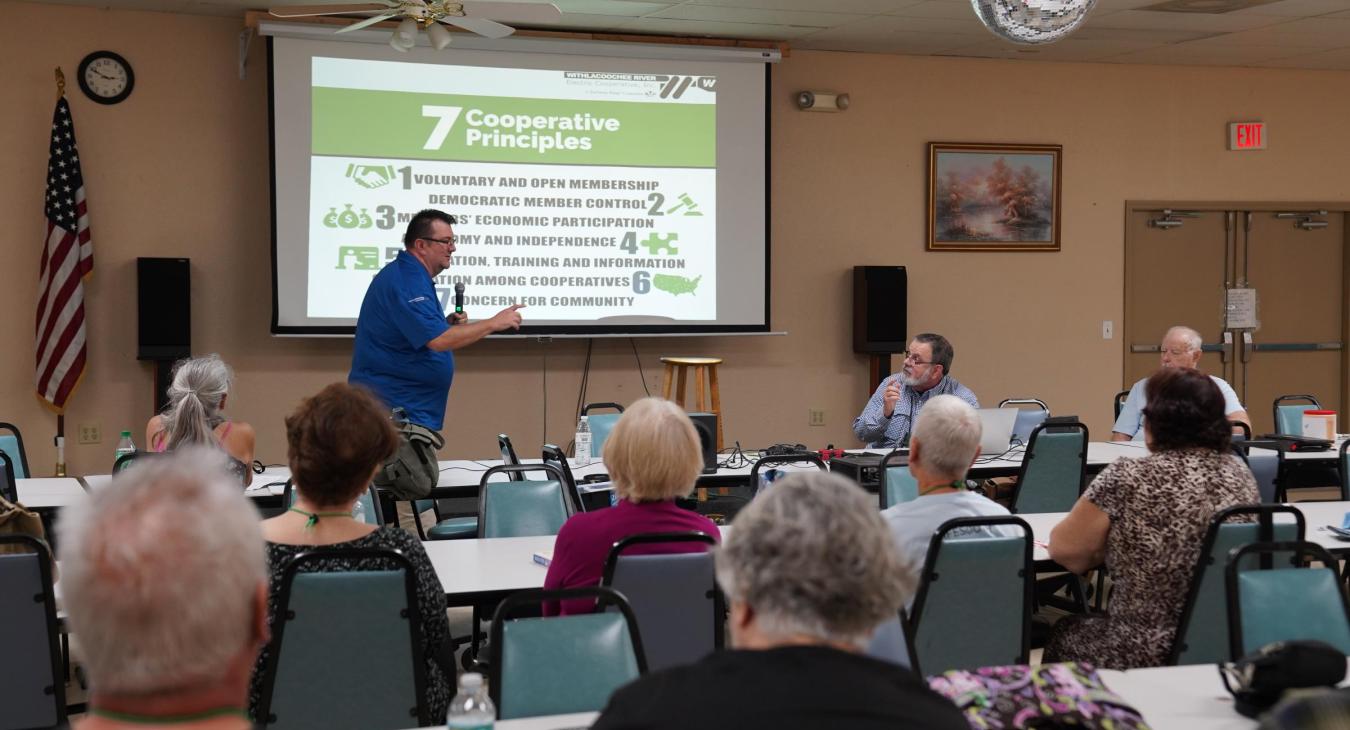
{"x":880,"y":368}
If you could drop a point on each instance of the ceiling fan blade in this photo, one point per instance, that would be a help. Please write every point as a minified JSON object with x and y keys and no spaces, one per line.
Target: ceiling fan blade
{"x":300,"y":11}
{"x":481,"y":26}
{"x":513,"y":12}
{"x":367,"y":22}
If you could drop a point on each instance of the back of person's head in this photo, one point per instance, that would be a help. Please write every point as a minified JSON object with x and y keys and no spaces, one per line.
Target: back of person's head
{"x":653,"y":452}
{"x":420,"y":225}
{"x":334,"y":440}
{"x":160,"y":574}
{"x":943,"y":352}
{"x":199,"y":385}
{"x":1185,"y":410}
{"x":812,"y":556}
{"x":948,"y":434}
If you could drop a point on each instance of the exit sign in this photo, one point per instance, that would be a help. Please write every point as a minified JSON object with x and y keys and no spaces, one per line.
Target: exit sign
{"x":1247,"y":136}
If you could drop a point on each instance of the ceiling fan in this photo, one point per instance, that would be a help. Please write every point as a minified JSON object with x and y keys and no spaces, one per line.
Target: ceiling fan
{"x":481,"y":16}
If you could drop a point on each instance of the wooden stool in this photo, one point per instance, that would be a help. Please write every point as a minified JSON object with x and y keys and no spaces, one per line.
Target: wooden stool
{"x":704,"y":368}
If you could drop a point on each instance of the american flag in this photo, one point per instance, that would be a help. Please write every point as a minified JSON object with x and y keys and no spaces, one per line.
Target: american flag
{"x":67,"y":258}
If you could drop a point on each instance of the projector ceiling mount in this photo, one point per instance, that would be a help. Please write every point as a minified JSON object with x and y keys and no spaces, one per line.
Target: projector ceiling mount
{"x":484,"y":17}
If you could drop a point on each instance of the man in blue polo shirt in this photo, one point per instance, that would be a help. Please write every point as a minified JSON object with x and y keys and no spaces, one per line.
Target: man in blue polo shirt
{"x":404,"y":341}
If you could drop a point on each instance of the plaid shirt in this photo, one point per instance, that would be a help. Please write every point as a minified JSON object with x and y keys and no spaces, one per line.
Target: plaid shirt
{"x":881,"y":432}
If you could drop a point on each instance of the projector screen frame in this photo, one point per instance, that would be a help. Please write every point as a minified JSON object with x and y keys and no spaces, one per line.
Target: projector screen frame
{"x":527,"y":330}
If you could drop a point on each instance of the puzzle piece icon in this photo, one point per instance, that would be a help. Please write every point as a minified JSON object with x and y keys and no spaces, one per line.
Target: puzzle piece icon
{"x":656,"y":242}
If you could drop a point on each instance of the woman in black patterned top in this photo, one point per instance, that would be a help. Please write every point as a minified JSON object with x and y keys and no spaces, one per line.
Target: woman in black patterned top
{"x":336,"y":440}
{"x":1146,"y":519}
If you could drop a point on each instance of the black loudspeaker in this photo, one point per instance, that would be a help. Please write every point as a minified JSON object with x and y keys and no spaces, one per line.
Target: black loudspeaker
{"x":163,"y":309}
{"x":879,"y":309}
{"x":706,"y":425}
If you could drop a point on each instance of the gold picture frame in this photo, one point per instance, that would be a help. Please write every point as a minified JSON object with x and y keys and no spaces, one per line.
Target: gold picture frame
{"x":993,"y":197}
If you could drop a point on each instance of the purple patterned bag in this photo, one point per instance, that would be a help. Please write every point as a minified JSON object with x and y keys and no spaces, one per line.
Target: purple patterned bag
{"x":1043,"y":696}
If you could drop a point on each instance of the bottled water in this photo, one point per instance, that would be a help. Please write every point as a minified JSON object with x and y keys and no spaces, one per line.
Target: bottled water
{"x":124,"y":446}
{"x":583,"y":442}
{"x":471,"y":709}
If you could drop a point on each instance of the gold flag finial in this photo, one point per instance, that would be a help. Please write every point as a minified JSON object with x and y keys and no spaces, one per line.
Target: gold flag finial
{"x":60,"y":83}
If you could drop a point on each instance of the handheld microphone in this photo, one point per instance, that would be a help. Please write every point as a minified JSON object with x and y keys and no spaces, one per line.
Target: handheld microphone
{"x":459,"y":297}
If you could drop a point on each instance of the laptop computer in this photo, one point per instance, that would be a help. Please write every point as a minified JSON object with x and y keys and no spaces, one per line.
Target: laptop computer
{"x":997,"y":427}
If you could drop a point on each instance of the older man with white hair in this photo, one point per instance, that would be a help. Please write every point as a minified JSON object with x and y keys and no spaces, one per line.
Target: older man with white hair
{"x":165,"y":582}
{"x":945,"y":443}
{"x":1181,"y":348}
{"x":809,"y":571}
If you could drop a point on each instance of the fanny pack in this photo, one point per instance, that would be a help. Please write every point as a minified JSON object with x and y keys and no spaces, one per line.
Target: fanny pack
{"x":1257,"y":681}
{"x":414,"y":469}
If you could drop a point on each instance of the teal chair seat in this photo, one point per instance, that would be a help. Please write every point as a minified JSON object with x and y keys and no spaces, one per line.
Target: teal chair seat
{"x":32,"y":693}
{"x":1288,"y":602}
{"x":601,"y":424}
{"x":1202,"y":632}
{"x":562,"y":664}
{"x":1051,"y":478}
{"x":521,"y":509}
{"x":897,"y":483}
{"x":1289,"y":416}
{"x":11,"y":443}
{"x":454,"y":528}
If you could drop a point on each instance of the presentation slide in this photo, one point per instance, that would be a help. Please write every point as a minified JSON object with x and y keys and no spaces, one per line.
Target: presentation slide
{"x":608,"y":195}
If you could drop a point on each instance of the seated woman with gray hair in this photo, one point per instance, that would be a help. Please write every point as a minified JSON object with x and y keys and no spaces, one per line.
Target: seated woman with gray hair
{"x":809,"y":571}
{"x":195,"y":415}
{"x":653,"y":456}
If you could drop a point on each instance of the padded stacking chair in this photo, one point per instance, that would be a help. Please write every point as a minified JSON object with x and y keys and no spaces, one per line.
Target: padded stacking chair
{"x":673,"y":595}
{"x":1285,"y":603}
{"x":1119,"y":402}
{"x":897,"y":483}
{"x":554,"y":456}
{"x":12,"y":443}
{"x":346,"y":649}
{"x":892,"y":643}
{"x":524,"y":508}
{"x":32,"y":677}
{"x":1202,"y":632}
{"x":601,"y":424}
{"x":1027,"y":418}
{"x":1053,"y":469}
{"x":1344,"y":466}
{"x":562,"y":664}
{"x":1289,"y":413}
{"x":369,"y":501}
{"x":950,"y":621}
{"x":768,"y":461}
{"x":9,"y":488}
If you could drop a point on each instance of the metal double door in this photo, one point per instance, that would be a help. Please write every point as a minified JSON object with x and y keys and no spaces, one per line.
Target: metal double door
{"x":1265,"y":289}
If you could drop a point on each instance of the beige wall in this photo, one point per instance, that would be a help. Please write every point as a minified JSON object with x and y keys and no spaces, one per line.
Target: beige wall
{"x":181,"y":170}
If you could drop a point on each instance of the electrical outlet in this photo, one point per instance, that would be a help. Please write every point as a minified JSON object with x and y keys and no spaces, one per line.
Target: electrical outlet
{"x":1108,"y":329}
{"x":90,"y":433}
{"x":815,"y":417}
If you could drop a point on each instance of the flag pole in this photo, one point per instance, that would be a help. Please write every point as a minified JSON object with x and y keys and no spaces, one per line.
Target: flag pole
{"x":60,"y":417}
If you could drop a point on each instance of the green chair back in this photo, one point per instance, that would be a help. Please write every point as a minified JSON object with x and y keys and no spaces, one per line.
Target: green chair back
{"x":368,"y":501}
{"x":12,"y":443}
{"x":346,"y":646}
{"x":897,"y":483}
{"x":1053,"y":468}
{"x":1289,"y":416}
{"x":962,"y":577}
{"x":601,"y":424}
{"x":1285,"y":603}
{"x":562,"y":664}
{"x":9,"y":489}
{"x":521,"y":509}
{"x":1202,"y":632}
{"x":1344,"y":464}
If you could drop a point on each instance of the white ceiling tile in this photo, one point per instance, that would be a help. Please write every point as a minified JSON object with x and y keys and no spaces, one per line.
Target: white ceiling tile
{"x":903,"y":43}
{"x":609,"y":7}
{"x":1092,"y":32}
{"x":1298,"y":8}
{"x":864,"y":7}
{"x":700,"y":28}
{"x":1065,"y":50}
{"x":590,"y":21}
{"x":883,"y":24}
{"x":1276,"y":36}
{"x":937,"y":9}
{"x":722,"y":14}
{"x":1155,"y":20}
{"x":1317,"y":26}
{"x":1190,"y":54}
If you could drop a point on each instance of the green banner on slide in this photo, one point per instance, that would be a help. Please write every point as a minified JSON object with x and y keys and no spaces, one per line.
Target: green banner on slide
{"x":408,"y":125}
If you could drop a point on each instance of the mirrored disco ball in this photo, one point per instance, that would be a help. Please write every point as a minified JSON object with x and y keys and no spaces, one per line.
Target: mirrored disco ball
{"x":1032,"y":21}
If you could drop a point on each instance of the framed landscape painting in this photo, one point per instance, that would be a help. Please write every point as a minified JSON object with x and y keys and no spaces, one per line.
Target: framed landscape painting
{"x":993,"y":197}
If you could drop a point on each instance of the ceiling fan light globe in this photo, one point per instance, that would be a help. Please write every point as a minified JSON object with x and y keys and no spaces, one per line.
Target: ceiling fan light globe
{"x":438,"y":35}
{"x":406,"y":33}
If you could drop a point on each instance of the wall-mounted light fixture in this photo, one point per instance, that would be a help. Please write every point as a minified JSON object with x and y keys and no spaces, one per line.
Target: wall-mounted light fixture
{"x":821,"y":101}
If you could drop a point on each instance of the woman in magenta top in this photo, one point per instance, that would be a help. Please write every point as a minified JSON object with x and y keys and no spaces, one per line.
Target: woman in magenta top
{"x":653,"y":456}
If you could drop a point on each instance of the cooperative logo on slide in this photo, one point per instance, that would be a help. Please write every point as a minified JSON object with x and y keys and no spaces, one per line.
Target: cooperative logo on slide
{"x":673,"y":87}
